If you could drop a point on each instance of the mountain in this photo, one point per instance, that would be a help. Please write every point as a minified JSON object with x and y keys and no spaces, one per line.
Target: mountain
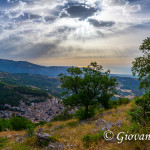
{"x":127,"y":87}
{"x":48,"y":84}
{"x":11,"y":66}
{"x":27,"y":74}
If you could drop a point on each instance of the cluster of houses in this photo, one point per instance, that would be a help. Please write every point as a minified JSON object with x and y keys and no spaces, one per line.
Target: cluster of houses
{"x":36,"y":111}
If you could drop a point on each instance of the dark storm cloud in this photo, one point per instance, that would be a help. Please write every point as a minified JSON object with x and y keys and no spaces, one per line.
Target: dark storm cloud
{"x":74,"y":9}
{"x":80,"y":11}
{"x":97,"y":23}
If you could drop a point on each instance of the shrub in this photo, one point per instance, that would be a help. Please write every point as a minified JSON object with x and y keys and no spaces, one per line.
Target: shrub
{"x":20,"y":123}
{"x":80,"y":113}
{"x":72,"y":124}
{"x":5,"y":123}
{"x":89,"y":139}
{"x":65,"y":115}
{"x":3,"y":141}
{"x":140,"y":110}
{"x":30,"y":130}
{"x":120,"y":101}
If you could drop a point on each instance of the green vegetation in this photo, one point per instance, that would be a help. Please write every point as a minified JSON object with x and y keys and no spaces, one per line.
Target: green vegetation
{"x":16,"y":123}
{"x":80,"y":113}
{"x":87,"y":87}
{"x":3,"y":141}
{"x":120,"y":101}
{"x":30,"y":91}
{"x":8,"y":95}
{"x":49,"y":85}
{"x":140,"y":111}
{"x":72,"y":124}
{"x":65,"y":115}
{"x":141,"y":65}
{"x":90,"y":139}
{"x":12,"y":95}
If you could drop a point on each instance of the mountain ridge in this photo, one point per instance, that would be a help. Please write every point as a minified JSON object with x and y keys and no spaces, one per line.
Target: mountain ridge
{"x":12,"y":66}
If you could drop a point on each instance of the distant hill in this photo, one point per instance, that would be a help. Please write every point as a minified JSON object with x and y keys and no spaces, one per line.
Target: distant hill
{"x":12,"y":95}
{"x":48,"y":84}
{"x":12,"y":66}
{"x":27,"y":67}
{"x":128,"y":87}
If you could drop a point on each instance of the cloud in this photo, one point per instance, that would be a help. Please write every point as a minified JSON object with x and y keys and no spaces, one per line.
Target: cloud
{"x":82,"y":12}
{"x":34,"y":29}
{"x":97,"y":23}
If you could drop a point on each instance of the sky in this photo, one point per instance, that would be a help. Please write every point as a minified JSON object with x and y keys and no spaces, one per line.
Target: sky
{"x":69,"y":32}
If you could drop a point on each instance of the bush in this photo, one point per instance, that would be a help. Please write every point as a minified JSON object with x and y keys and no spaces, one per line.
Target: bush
{"x":120,"y":101}
{"x":140,"y":110}
{"x":5,"y":123}
{"x":65,"y":115}
{"x":20,"y":123}
{"x":89,"y":139}
{"x":80,"y":113}
{"x":30,"y":130}
{"x":3,"y":141}
{"x":72,"y":124}
{"x":15,"y":123}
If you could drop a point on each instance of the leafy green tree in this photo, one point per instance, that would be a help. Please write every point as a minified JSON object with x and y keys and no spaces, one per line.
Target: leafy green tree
{"x":87,"y":86}
{"x":140,"y":110}
{"x":141,"y":65}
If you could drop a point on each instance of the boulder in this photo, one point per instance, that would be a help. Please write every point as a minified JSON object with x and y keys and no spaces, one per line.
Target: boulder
{"x":16,"y":135}
{"x":109,"y":112}
{"x":43,"y":138}
{"x":39,"y":130}
{"x":107,"y":126}
{"x":8,"y":136}
{"x":100,"y":122}
{"x":6,"y":129}
{"x":118,"y":123}
{"x":55,"y":146}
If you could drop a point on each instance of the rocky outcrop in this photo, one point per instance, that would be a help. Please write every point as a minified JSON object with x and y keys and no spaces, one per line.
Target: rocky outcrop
{"x":107,"y":125}
{"x":43,"y":138}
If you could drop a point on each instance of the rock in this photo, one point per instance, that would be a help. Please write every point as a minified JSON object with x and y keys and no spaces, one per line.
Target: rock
{"x":39,"y":130}
{"x":20,"y":140}
{"x":110,"y":112}
{"x":117,"y":110}
{"x":100,"y":122}
{"x":8,"y":136}
{"x":107,"y":126}
{"x":101,"y":114}
{"x":43,"y":138}
{"x":119,"y":123}
{"x":55,"y":146}
{"x":6,"y":129}
{"x":16,"y":135}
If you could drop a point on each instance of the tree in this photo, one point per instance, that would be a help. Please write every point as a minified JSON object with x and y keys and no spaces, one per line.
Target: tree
{"x":141,"y":65}
{"x":87,"y":86}
{"x":140,"y":110}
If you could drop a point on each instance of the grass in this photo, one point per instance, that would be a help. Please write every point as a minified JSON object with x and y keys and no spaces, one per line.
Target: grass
{"x":72,"y":133}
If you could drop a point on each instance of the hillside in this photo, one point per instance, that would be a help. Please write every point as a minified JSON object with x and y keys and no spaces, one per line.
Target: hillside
{"x":12,"y":95}
{"x":32,"y":103}
{"x":68,"y":135}
{"x":49,"y":84}
{"x":128,"y":87}
{"x":27,"y":67}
